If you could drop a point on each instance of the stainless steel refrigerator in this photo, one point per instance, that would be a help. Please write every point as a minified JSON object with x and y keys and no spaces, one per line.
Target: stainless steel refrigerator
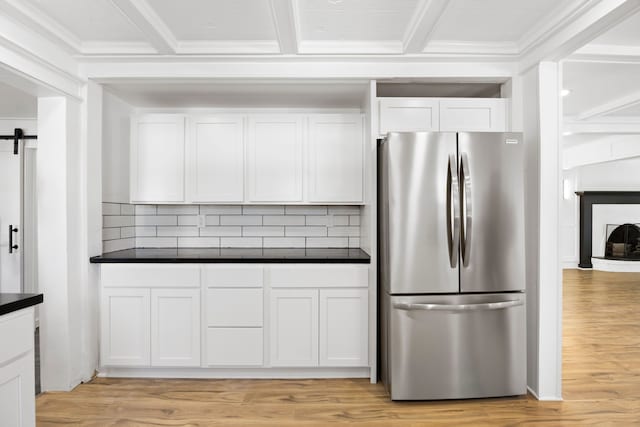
{"x":452,"y":265}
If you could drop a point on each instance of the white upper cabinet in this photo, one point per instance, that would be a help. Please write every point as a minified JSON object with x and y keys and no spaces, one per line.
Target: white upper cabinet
{"x":335,"y":158}
{"x":275,"y":158}
{"x":472,"y":115}
{"x":157,"y":158}
{"x":442,"y":114}
{"x":215,"y":159}
{"x":409,"y":115}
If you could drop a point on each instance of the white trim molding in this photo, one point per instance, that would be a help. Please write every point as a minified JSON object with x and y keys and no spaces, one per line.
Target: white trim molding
{"x":142,"y":15}
{"x":287,"y":24}
{"x":423,"y":23}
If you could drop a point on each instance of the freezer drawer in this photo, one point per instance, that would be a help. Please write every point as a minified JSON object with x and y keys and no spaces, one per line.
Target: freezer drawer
{"x":454,"y":346}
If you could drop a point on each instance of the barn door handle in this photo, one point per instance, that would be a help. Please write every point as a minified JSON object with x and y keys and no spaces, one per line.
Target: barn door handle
{"x":12,"y":247}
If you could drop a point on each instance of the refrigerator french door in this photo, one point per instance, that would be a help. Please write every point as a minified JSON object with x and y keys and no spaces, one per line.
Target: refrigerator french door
{"x":452,"y":265}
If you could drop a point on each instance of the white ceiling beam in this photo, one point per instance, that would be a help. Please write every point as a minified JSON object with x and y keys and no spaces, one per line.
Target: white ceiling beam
{"x":612,"y":106}
{"x":606,"y":53}
{"x":287,"y":24}
{"x":588,"y":20}
{"x":38,"y":21}
{"x":142,"y":15}
{"x":610,"y":128}
{"x":424,"y":22}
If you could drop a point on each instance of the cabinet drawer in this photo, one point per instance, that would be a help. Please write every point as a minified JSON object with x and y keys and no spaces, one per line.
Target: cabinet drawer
{"x":16,"y":333}
{"x":150,"y":276}
{"x":232,"y":276}
{"x":473,"y":115}
{"x":408,"y":115}
{"x":311,"y":276}
{"x":234,"y":307}
{"x":234,"y":346}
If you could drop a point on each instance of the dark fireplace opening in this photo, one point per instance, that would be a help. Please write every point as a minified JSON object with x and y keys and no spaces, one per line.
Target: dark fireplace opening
{"x":623,"y":242}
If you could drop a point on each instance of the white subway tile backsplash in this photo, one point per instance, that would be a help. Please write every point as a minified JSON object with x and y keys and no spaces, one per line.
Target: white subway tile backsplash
{"x":110,"y":233}
{"x":110,"y":209}
{"x":127,"y":232}
{"x":117,"y":221}
{"x":212,"y":220}
{"x":156,"y":242}
{"x":145,"y":209}
{"x":146,"y":231}
{"x":198,"y":242}
{"x":305,"y":210}
{"x":344,"y":231}
{"x":220,"y":210}
{"x":178,"y":210}
{"x":344,"y":210}
{"x":176,"y":231}
{"x":263,"y":210}
{"x":241,"y":242}
{"x":117,"y":245}
{"x":305,"y":231}
{"x":188,"y":220}
{"x":126,"y":209}
{"x":284,"y":242}
{"x":283,"y":220}
{"x":262,"y":231}
{"x":156,"y":220}
{"x":229,"y":226}
{"x":221,"y":231}
{"x":240,"y":220}
{"x":327,"y":242}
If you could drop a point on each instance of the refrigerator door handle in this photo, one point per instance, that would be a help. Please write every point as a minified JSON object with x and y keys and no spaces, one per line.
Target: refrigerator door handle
{"x":453,"y":211}
{"x":458,"y":307}
{"x":466,"y":206}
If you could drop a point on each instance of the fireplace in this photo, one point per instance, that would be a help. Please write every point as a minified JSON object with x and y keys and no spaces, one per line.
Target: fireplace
{"x":623,"y":242}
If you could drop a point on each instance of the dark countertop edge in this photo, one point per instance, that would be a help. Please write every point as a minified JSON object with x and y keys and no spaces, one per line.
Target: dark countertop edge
{"x":221,"y":260}
{"x":29,"y":300}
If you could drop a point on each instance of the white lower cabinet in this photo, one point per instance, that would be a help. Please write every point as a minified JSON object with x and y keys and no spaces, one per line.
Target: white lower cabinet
{"x":234,"y":347}
{"x":175,"y":327}
{"x":125,"y":327}
{"x":294,"y":327}
{"x":344,"y":327}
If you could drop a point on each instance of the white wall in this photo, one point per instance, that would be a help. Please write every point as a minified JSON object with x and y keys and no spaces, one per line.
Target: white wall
{"x":17,"y":104}
{"x":115,"y":148}
{"x":616,"y":175}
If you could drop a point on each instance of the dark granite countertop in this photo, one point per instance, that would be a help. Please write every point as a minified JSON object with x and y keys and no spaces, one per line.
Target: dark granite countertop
{"x":236,"y":255}
{"x":14,"y":302}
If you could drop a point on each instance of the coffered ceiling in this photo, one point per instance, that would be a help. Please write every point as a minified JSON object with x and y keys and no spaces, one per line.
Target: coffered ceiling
{"x":358,"y":27}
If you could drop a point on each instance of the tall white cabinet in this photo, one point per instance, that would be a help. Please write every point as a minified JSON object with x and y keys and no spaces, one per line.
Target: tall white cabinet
{"x":335,"y":156}
{"x":215,"y":158}
{"x":157,"y":158}
{"x":275,"y":158}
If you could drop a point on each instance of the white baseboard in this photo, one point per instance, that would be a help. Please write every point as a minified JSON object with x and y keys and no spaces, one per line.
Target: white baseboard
{"x":543,"y":398}
{"x":569,"y":265}
{"x":227,"y":373}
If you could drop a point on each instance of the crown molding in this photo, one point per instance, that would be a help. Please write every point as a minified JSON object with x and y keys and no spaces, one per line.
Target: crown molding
{"x":631,"y":125}
{"x":228,"y":47}
{"x":142,"y":15}
{"x":36,"y":20}
{"x":286,"y":20}
{"x":110,"y":48}
{"x":472,"y":48}
{"x":606,"y":53}
{"x":588,"y":20}
{"x":423,"y":23}
{"x":353,"y":47}
{"x":622,"y":103}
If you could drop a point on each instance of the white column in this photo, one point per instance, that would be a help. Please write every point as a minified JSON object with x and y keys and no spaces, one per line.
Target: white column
{"x":59,"y":241}
{"x":541,"y":124}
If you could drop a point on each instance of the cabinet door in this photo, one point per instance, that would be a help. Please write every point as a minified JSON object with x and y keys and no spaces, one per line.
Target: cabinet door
{"x":344,"y":328}
{"x":234,"y":347}
{"x":294,"y":327}
{"x":275,"y":158}
{"x":472,"y":115}
{"x":408,"y":115}
{"x":157,"y":158}
{"x":335,"y":164}
{"x":215,"y":159}
{"x":175,"y":327}
{"x":125,"y":339}
{"x":17,"y":392}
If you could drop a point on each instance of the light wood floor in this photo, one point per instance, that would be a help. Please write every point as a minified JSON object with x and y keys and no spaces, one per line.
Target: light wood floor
{"x":601,"y":384}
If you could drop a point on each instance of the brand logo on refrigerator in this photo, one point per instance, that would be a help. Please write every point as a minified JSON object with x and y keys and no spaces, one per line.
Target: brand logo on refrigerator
{"x":511,"y":141}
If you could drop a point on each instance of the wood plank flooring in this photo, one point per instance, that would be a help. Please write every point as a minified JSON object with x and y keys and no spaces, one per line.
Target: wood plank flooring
{"x":601,"y":384}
